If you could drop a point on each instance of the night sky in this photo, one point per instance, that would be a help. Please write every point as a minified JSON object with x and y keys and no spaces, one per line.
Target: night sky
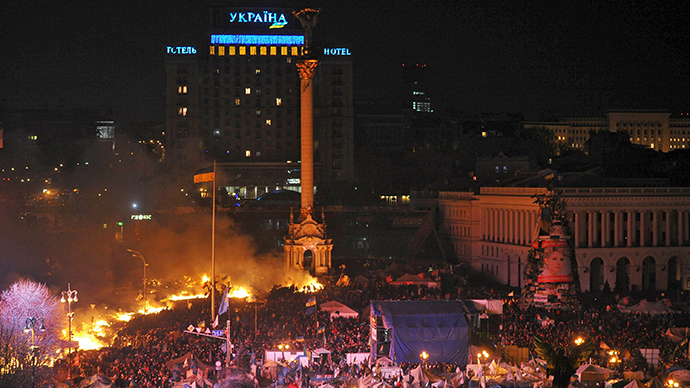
{"x":532,"y":57}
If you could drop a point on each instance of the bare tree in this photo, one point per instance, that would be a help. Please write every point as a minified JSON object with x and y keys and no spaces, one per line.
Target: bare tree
{"x":31,"y":323}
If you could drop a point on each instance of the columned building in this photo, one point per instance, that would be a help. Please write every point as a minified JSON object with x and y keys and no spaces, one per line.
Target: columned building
{"x":654,"y":129}
{"x":630,"y":238}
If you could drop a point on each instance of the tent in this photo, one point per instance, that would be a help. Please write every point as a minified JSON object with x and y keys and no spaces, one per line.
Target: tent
{"x":589,"y":372}
{"x":655,"y":383}
{"x":338,"y":309}
{"x":96,"y":381}
{"x":646,"y":307}
{"x":437,"y":327}
{"x":415,"y":280}
{"x":635,"y":384}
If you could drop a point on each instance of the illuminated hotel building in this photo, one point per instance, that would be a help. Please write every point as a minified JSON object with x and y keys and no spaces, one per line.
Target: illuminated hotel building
{"x":633,"y":238}
{"x":655,"y":129}
{"x":235,"y":99}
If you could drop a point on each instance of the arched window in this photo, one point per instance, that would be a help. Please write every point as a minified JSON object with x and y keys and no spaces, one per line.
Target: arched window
{"x":596,"y":274}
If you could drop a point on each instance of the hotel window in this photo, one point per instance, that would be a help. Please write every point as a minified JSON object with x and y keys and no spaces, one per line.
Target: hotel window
{"x":268,"y":122}
{"x":231,"y":50}
{"x":247,"y":90}
{"x":243,"y":50}
{"x":221,"y":50}
{"x":284,"y":50}
{"x":252,"y":50}
{"x":273,"y":50}
{"x":263,"y":50}
{"x":258,"y":112}
{"x":257,"y":71}
{"x":295,"y":51}
{"x":279,"y":101}
{"x":182,"y":111}
{"x":247,"y":153}
{"x":237,"y":102}
{"x":212,"y":50}
{"x":182,"y":89}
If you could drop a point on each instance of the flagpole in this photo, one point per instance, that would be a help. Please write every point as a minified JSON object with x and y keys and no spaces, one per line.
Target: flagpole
{"x":213,"y":247}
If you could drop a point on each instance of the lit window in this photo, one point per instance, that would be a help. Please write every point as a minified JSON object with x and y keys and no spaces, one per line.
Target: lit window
{"x":231,"y":50}
{"x":182,"y":89}
{"x":182,"y":111}
{"x":274,"y":50}
{"x":279,"y":101}
{"x":258,"y":112}
{"x":247,"y":90}
{"x":243,"y":50}
{"x":212,"y":50}
{"x":284,"y":50}
{"x":268,"y":122}
{"x":252,"y":50}
{"x":263,"y":50}
{"x":257,"y":71}
{"x":247,"y":153}
{"x":237,"y":102}
{"x":295,"y":50}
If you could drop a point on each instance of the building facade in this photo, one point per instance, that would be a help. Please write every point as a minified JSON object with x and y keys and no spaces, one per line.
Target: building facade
{"x":655,"y":129}
{"x":235,"y":97}
{"x":630,"y":238}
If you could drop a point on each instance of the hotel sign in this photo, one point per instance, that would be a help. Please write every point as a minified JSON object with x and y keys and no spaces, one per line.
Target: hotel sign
{"x":180,"y":50}
{"x":277,"y":20}
{"x":336,"y":51}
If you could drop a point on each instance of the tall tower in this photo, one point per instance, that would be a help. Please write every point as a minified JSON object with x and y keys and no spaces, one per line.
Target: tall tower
{"x":307,"y":246}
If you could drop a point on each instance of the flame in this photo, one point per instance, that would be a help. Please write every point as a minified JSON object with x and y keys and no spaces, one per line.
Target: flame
{"x":87,"y":341}
{"x":205,"y":279}
{"x":239,"y":292}
{"x":151,"y":310}
{"x":311,"y":287}
{"x":184,"y":295}
{"x":124,"y":317}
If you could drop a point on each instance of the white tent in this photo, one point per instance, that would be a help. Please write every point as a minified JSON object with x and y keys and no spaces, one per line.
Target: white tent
{"x":338,"y":309}
{"x":589,"y":372}
{"x":645,"y":307}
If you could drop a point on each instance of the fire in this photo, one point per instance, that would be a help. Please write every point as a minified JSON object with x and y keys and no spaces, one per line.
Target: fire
{"x":184,"y":295}
{"x":124,"y":317}
{"x":239,"y":292}
{"x":87,"y":341}
{"x":205,"y":279}
{"x":311,"y":287}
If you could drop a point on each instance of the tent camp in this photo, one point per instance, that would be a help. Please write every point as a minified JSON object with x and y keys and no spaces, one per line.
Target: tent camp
{"x":437,"y":327}
{"x":337,"y":309}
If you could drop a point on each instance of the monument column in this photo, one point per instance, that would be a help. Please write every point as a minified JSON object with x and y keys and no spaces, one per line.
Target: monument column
{"x":307,"y":70}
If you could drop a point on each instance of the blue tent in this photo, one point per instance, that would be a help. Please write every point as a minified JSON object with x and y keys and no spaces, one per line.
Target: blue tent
{"x":437,"y":327}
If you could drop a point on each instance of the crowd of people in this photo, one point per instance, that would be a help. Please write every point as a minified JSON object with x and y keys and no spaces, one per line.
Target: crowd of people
{"x":140,"y":351}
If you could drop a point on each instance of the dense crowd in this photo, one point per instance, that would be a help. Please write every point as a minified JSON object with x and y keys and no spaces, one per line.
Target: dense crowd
{"x":141,"y":350}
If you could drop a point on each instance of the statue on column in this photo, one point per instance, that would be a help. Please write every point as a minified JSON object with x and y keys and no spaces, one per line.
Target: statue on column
{"x":308,"y":18}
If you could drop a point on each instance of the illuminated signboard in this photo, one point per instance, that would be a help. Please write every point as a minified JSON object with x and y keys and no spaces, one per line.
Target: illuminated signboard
{"x":336,"y":51}
{"x":255,"y":19}
{"x":277,"y":40}
{"x":181,"y":50}
{"x":275,"y":19}
{"x":139,"y":217}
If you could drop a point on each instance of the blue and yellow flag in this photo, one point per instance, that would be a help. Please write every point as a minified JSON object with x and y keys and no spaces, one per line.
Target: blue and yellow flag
{"x":311,"y":306}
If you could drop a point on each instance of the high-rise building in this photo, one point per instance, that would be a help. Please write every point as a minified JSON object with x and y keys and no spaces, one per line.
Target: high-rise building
{"x":416,"y":89}
{"x":235,"y":99}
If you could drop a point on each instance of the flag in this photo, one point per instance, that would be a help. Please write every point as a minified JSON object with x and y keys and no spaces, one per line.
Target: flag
{"x":311,"y":306}
{"x":223,"y":302}
{"x":205,"y":175}
{"x":321,"y":330}
{"x":299,"y":339}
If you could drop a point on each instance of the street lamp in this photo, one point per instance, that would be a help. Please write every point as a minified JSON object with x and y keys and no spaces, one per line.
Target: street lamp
{"x":479,"y":355}
{"x":30,"y":324}
{"x":424,"y":356}
{"x":282,"y":348}
{"x":139,"y":255}
{"x":69,"y":296}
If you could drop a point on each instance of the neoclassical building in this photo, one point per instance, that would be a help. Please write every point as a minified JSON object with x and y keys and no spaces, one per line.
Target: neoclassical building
{"x":634,"y":238}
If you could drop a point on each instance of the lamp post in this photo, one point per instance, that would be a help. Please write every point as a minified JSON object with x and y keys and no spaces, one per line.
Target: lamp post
{"x":69,"y":296}
{"x":424,"y":356}
{"x":139,"y":255}
{"x":30,"y":324}
{"x":282,"y":348}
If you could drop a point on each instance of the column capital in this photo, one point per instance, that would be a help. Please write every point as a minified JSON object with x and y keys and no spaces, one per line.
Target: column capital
{"x":307,"y":68}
